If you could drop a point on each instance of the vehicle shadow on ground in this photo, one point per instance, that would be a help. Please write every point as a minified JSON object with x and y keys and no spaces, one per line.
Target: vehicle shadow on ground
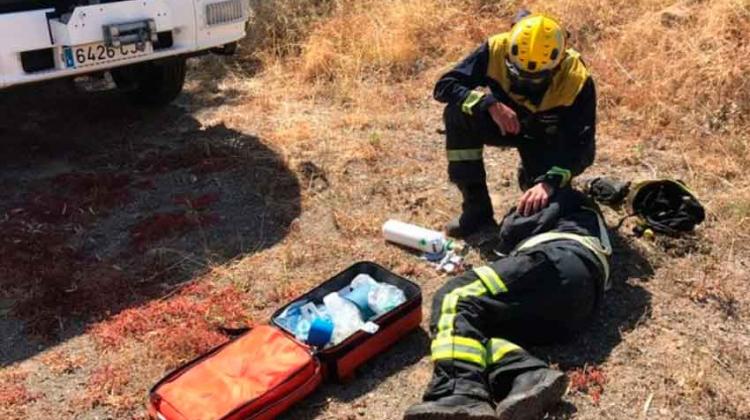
{"x":106,"y":206}
{"x":408,"y":351}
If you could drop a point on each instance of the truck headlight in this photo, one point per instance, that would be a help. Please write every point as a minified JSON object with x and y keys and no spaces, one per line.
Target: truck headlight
{"x":227,"y":11}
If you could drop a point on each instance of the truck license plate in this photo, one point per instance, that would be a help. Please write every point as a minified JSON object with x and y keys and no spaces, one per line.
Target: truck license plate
{"x":99,"y":53}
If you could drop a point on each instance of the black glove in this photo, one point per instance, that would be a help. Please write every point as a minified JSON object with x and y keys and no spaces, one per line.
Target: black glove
{"x":607,"y":190}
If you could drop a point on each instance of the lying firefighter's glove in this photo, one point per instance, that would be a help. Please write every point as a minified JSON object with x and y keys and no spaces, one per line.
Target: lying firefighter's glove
{"x":607,"y":190}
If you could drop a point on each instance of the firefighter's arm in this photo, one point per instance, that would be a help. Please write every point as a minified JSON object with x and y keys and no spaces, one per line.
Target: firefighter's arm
{"x":458,"y":86}
{"x":579,"y":134}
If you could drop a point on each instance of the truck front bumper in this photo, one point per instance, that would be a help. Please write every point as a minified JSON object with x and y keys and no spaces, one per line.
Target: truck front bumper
{"x":33,"y":44}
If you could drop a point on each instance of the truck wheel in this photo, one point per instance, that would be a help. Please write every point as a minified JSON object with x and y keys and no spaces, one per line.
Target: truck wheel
{"x":152,"y":83}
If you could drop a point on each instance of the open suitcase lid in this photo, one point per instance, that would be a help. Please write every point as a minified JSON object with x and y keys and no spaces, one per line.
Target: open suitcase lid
{"x":217,"y":385}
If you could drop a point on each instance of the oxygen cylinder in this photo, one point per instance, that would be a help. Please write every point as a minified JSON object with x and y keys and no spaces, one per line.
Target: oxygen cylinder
{"x":415,"y":237}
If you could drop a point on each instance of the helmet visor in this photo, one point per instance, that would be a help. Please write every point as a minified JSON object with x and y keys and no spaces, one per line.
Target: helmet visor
{"x":515,"y":73}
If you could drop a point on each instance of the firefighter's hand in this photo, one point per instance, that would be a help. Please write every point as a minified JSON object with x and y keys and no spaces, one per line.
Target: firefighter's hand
{"x":534,"y":199}
{"x":505,"y":118}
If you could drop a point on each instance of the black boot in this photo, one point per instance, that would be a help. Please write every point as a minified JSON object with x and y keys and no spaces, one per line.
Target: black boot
{"x":532,"y":393}
{"x":477,"y":211}
{"x":453,"y":407}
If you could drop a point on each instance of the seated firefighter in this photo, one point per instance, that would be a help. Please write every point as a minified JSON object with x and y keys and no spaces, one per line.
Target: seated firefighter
{"x":551,"y":277}
{"x":541,"y":101}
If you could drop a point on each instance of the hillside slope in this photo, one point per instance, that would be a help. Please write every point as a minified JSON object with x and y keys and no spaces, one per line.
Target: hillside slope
{"x":322,"y":129}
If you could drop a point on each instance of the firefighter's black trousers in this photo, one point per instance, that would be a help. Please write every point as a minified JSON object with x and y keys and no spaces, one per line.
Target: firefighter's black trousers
{"x":480,"y":319}
{"x":466,"y":135}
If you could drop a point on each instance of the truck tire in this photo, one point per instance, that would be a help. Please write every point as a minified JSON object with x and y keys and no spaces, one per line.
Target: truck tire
{"x":152,"y":83}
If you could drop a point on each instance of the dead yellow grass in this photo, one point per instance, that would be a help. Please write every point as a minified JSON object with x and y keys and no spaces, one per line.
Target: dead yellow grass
{"x":346,"y":85}
{"x":673,"y":70}
{"x":664,"y":66}
{"x":386,"y":38}
{"x":278,"y":27}
{"x":676,"y":68}
{"x":673,"y":100}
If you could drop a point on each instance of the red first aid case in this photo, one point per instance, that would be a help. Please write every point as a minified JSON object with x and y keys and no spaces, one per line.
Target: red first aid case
{"x":261,"y":373}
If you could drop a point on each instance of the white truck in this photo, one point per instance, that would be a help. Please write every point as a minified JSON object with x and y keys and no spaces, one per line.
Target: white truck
{"x":143,"y":43}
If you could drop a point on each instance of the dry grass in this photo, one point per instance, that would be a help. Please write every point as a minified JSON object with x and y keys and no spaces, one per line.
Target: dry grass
{"x":673,"y":100}
{"x":14,"y":395}
{"x":279,"y":27}
{"x":344,"y":95}
{"x":673,"y":67}
{"x":376,"y":39}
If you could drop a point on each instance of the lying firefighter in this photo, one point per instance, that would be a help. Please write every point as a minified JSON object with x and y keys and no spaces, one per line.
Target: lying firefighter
{"x":541,"y":101}
{"x":552,"y":276}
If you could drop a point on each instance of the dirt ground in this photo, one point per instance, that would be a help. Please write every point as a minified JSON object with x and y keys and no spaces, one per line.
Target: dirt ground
{"x":129,"y":236}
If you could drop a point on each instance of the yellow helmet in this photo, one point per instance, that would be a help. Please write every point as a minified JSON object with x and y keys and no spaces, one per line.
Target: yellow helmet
{"x":536,"y":45}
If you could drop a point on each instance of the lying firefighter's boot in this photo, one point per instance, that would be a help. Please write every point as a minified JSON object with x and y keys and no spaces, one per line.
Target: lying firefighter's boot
{"x":532,"y":393}
{"x":476,"y":212}
{"x":454,"y":407}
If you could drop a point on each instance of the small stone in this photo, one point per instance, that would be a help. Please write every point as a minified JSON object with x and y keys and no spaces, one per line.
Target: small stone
{"x":672,"y":17}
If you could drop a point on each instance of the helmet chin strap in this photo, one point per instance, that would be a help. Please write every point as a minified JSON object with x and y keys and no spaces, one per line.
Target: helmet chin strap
{"x":532,"y":91}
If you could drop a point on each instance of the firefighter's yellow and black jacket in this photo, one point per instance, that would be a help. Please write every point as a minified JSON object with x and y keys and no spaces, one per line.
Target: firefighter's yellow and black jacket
{"x":548,"y":285}
{"x":557,"y":138}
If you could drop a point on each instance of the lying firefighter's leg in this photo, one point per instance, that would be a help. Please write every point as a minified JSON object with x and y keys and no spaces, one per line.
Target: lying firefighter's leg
{"x":463,"y":311}
{"x":557,"y":296}
{"x":534,"y":388}
{"x":459,"y":388}
{"x":466,"y":136}
{"x":533,"y":393}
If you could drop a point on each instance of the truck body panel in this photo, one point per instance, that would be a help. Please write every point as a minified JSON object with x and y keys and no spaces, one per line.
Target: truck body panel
{"x":40,"y":44}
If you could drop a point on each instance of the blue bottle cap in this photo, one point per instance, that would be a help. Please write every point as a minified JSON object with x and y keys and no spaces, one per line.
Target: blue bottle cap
{"x":321,"y":331}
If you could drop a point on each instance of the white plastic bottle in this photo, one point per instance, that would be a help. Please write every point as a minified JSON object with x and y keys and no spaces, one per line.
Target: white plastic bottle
{"x":345,"y":316}
{"x":415,"y":237}
{"x":363,"y":280}
{"x":384,"y":297}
